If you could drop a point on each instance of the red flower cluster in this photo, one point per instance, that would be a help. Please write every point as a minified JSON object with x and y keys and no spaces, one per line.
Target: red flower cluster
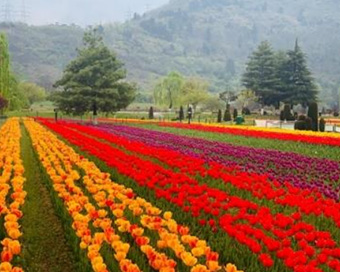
{"x":284,"y":136}
{"x":270,"y":235}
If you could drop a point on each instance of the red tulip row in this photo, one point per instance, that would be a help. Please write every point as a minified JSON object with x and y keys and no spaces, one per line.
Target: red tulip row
{"x":306,"y":202}
{"x":271,"y":236}
{"x":93,"y":200}
{"x":284,"y":136}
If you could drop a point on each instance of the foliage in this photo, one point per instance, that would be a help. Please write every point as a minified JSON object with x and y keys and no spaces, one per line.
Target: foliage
{"x":32,"y":92}
{"x":211,"y":104}
{"x":17,"y":97}
{"x":279,"y":77}
{"x":194,"y":91}
{"x":94,"y":80}
{"x":168,"y":90}
{"x":313,"y":113}
{"x":309,"y":123}
{"x":4,"y":67}
{"x":322,"y":125}
{"x":151,"y":116}
{"x":246,"y":97}
{"x":227,"y":97}
{"x":181,"y":113}
{"x":219,"y":116}
{"x":3,"y":103}
{"x":300,"y":125}
{"x":227,"y":115}
{"x":246,"y":111}
{"x":260,"y":75}
{"x":235,"y":114}
{"x":297,"y":83}
{"x":286,"y":113}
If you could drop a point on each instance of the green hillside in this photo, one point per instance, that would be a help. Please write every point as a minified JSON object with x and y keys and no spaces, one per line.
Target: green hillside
{"x":211,"y":39}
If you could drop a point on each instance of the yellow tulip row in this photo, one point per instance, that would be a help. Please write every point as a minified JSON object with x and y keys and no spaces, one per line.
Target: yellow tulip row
{"x":11,"y":187}
{"x":57,"y":159}
{"x":120,"y":203}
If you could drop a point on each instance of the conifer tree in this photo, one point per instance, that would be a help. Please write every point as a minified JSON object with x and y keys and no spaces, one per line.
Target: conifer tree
{"x":260,"y":75}
{"x":298,"y":85}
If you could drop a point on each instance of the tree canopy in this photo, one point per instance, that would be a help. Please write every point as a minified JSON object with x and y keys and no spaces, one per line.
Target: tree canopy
{"x":94,"y":81}
{"x":168,"y":90}
{"x":279,"y":76}
{"x":298,"y":86}
{"x":260,"y":75}
{"x":4,"y":67}
{"x":194,"y":92}
{"x":32,"y":92}
{"x":175,"y":90}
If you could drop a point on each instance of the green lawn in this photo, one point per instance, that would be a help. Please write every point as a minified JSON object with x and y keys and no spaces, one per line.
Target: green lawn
{"x":45,"y":246}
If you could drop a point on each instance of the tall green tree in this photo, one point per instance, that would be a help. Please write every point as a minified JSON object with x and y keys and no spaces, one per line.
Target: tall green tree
{"x":298,"y":85}
{"x":32,"y":92}
{"x":260,"y":75}
{"x":168,"y":90}
{"x":17,"y":98}
{"x":4,"y":67}
{"x":194,"y":92}
{"x":94,"y":81}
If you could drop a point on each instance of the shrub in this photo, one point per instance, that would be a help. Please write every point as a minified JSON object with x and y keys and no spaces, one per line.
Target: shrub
{"x":235,"y":114}
{"x":227,"y":115}
{"x":300,"y":125}
{"x":219,"y":116}
{"x":151,"y":113}
{"x":246,"y":111}
{"x":286,"y":114}
{"x":309,"y":123}
{"x":336,"y":114}
{"x":181,"y":114}
{"x":322,"y":125}
{"x":302,"y":118}
{"x":313,"y":115}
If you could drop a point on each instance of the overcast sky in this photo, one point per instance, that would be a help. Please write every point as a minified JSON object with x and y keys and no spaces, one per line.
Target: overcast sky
{"x":82,"y":12}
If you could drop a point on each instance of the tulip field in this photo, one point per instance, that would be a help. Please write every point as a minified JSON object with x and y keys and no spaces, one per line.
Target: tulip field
{"x":148,"y":196}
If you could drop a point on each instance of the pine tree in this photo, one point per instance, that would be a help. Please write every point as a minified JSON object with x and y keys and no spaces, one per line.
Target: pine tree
{"x":94,"y":81}
{"x":298,"y":85}
{"x":260,"y":75}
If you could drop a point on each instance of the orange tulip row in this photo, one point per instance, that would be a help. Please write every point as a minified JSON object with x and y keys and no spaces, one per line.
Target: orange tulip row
{"x":118,"y":207}
{"x":11,"y":187}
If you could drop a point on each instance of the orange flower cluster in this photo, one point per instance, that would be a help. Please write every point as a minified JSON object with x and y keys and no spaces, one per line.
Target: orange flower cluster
{"x":11,"y":180}
{"x":121,"y":203}
{"x":58,"y":160}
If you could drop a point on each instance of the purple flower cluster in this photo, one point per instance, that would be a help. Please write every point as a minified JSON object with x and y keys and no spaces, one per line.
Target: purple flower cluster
{"x":301,"y":171}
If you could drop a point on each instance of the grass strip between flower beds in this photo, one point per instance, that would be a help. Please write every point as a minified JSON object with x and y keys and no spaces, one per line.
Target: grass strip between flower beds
{"x":79,"y":259}
{"x":46,"y":247}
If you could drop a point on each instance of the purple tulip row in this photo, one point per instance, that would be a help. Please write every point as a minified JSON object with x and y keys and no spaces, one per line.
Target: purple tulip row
{"x":302,"y":171}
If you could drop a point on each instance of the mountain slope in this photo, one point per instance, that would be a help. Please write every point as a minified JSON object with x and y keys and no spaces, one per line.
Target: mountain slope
{"x":211,"y":39}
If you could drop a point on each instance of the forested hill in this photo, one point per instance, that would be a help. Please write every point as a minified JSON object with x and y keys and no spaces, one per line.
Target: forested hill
{"x":211,"y":39}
